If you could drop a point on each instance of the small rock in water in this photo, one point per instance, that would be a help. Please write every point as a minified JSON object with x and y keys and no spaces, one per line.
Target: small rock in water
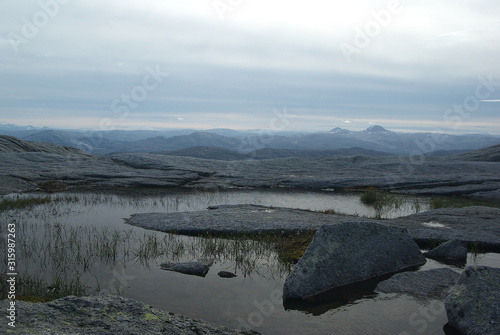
{"x":189,"y":268}
{"x":449,"y":252}
{"x":226,"y":274}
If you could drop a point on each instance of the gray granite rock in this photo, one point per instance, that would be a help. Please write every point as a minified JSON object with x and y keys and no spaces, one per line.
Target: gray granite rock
{"x":237,"y":219}
{"x":104,"y":315}
{"x":189,"y":268}
{"x":12,"y":144}
{"x":226,"y":274}
{"x":477,"y":224}
{"x":468,"y":225}
{"x":489,"y":154}
{"x":80,"y":170}
{"x":429,"y":284}
{"x":451,"y":251}
{"x":473,"y":307}
{"x":348,"y":253}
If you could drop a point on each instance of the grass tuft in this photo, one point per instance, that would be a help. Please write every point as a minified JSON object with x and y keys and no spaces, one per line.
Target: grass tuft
{"x":23,"y":203}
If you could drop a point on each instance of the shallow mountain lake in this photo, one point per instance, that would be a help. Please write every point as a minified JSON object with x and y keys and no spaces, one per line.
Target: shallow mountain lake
{"x":81,"y":239}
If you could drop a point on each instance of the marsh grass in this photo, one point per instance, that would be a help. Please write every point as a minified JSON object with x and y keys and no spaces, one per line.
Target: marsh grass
{"x":475,"y":251}
{"x":459,"y":202}
{"x":384,"y":201}
{"x":371,"y":197}
{"x":22,"y":202}
{"x":291,"y":248}
{"x":57,"y":259}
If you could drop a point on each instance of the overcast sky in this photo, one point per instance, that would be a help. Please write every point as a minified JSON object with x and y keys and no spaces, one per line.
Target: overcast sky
{"x":308,"y":65}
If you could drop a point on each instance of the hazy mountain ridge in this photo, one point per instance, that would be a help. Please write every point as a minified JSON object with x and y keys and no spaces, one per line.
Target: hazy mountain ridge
{"x":489,"y":154}
{"x":10,"y":144}
{"x":374,"y":138}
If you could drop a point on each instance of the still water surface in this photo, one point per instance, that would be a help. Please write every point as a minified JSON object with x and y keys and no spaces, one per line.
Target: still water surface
{"x":251,"y":300}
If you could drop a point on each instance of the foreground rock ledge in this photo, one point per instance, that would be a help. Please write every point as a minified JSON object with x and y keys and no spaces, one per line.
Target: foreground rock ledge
{"x":349,"y":253}
{"x":103,"y":315}
{"x":473,"y":307}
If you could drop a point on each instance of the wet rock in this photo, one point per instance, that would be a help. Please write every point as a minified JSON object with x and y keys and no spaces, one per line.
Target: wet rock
{"x":347,"y":253}
{"x":449,"y":252}
{"x":473,"y":306}
{"x":226,"y":274}
{"x":430,"y":284}
{"x":188,"y":268}
{"x":105,"y":315}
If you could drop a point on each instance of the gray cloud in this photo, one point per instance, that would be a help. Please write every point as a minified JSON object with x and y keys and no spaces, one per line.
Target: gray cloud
{"x":260,"y":57}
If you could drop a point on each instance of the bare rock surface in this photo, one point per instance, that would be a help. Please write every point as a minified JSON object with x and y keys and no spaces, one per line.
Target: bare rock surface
{"x":237,"y":219}
{"x":473,"y":307}
{"x":33,"y":163}
{"x":489,"y":154}
{"x":480,"y":225}
{"x":13,"y":144}
{"x":349,"y":253}
{"x":476,"y":224}
{"x":429,"y":284}
{"x":105,"y":315}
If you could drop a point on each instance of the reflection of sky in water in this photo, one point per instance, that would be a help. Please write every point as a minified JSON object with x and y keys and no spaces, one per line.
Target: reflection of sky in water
{"x":231,"y":302}
{"x":108,"y":207}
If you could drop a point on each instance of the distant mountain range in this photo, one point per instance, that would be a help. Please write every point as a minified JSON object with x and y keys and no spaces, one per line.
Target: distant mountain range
{"x":231,"y":144}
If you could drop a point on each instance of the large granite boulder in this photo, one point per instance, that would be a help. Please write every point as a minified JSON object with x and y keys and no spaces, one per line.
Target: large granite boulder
{"x":449,"y":252}
{"x":430,"y":284}
{"x":473,"y":307}
{"x":348,"y":253}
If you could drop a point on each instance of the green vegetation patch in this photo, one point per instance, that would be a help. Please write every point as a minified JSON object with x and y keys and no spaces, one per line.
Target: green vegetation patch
{"x":20,"y":203}
{"x":32,"y":201}
{"x":149,"y":316}
{"x":459,"y":202}
{"x":292,"y":247}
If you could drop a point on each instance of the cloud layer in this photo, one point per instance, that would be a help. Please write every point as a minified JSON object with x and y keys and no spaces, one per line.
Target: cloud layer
{"x":403,"y":64}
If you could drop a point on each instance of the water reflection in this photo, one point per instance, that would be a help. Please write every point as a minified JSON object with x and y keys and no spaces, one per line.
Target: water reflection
{"x":83,"y":244}
{"x":181,"y":200}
